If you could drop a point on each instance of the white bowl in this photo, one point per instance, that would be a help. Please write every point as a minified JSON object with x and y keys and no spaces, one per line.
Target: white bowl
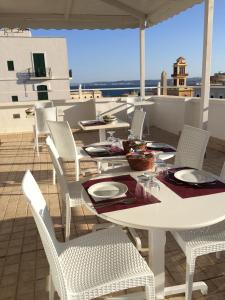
{"x":107,"y":190}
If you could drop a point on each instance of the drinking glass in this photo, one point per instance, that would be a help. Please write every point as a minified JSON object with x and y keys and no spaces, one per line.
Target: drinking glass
{"x":160,"y":167}
{"x":117,"y":143}
{"x":131,"y":135}
{"x":111,"y":137}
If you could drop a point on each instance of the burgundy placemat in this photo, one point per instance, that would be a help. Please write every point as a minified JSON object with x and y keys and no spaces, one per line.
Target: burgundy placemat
{"x":131,"y":184}
{"x":110,"y":151}
{"x":185,"y":190}
{"x":92,"y":123}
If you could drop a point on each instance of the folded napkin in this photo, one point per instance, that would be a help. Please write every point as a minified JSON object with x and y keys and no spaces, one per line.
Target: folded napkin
{"x":109,"y":151}
{"x":188,"y":190}
{"x":131,"y":183}
{"x":92,"y":122}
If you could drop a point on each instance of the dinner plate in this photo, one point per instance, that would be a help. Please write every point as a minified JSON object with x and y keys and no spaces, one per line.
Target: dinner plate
{"x":96,"y":149}
{"x":107,"y":190}
{"x":157,"y":145}
{"x":194,"y":176}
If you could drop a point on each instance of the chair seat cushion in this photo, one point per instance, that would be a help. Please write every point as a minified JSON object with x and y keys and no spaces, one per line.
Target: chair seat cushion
{"x":103,"y":258}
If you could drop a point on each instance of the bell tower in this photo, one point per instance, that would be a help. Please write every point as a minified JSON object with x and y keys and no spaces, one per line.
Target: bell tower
{"x":179,"y":72}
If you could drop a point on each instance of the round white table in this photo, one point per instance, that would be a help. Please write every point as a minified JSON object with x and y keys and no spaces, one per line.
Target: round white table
{"x":172,"y":213}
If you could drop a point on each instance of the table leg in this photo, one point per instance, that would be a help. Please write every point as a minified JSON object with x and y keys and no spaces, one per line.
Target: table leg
{"x":102,"y":135}
{"x":157,"y":241}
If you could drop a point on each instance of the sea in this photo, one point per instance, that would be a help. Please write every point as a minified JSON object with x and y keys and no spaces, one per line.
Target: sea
{"x":108,"y":88}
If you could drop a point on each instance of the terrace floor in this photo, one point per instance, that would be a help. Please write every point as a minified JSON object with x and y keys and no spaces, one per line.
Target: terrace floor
{"x":23,"y":265}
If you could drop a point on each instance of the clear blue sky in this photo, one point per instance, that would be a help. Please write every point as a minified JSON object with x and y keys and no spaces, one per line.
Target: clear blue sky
{"x":108,"y":55}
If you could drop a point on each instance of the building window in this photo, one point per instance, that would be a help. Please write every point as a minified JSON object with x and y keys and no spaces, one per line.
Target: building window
{"x":14,"y":98}
{"x":10,"y":65}
{"x":181,"y":82}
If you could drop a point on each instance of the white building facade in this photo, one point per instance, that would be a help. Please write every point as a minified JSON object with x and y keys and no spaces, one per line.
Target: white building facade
{"x":32,"y":68}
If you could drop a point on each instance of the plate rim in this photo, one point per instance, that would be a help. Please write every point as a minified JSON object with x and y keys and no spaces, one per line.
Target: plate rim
{"x":110,"y":182}
{"x":191,"y":182}
{"x":102,"y":149}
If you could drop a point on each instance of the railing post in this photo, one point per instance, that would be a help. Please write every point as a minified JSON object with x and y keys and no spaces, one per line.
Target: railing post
{"x":142,"y":60}
{"x":206,"y":64}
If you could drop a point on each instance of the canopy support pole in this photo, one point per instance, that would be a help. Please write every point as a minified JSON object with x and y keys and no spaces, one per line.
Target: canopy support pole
{"x":206,"y":64}
{"x":142,"y":61}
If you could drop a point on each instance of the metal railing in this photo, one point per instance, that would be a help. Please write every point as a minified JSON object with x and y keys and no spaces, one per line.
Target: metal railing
{"x":39,"y":73}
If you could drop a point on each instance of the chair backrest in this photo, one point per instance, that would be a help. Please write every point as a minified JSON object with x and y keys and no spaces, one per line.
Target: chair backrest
{"x":42,"y":115}
{"x":45,"y":227}
{"x":58,"y":166}
{"x":191,"y":147}
{"x":137,"y":123}
{"x":222,"y":173}
{"x":43,"y":104}
{"x":63,"y":139}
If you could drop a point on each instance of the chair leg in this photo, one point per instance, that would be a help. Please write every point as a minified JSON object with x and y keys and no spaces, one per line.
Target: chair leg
{"x":68,"y":220}
{"x":53,"y":176}
{"x":150,"y":292}
{"x":51,"y":288}
{"x":190,"y":268}
{"x":77,"y":167}
{"x":218,"y":255}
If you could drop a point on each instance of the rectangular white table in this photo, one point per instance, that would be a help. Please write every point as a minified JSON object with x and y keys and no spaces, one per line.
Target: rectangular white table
{"x":173,"y":213}
{"x":102,"y":128}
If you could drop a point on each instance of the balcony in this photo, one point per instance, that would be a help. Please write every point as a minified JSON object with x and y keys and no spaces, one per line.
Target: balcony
{"x":39,"y":73}
{"x":24,"y":267}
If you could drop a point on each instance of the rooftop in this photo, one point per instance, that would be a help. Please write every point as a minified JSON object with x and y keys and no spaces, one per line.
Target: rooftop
{"x":23,"y":265}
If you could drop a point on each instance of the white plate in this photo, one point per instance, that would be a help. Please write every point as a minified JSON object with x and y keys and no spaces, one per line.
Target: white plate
{"x":158,"y":145}
{"x":194,"y":176}
{"x":96,"y":149}
{"x":107,"y":190}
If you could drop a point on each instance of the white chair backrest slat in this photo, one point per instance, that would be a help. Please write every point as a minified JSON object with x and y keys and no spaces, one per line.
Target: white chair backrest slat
{"x":63,"y":139}
{"x":138,"y":123}
{"x":45,"y":227}
{"x":58,"y":166}
{"x":191,"y":147}
{"x":42,"y":115}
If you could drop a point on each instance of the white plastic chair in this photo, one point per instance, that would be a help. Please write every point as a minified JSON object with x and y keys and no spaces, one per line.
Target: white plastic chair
{"x":90,"y":266}
{"x":43,"y":104}
{"x":70,"y":192}
{"x":65,"y":144}
{"x":138,"y":123}
{"x":199,"y":242}
{"x":41,"y":126}
{"x":191,"y":147}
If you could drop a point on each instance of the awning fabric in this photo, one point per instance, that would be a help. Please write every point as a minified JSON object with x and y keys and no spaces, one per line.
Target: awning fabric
{"x":89,"y":14}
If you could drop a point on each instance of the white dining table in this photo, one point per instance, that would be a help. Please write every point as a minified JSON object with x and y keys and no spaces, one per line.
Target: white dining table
{"x":173,"y":213}
{"x":103,"y":127}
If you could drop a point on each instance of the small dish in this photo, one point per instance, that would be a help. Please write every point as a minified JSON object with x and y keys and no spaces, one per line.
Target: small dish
{"x":194,"y":176}
{"x":96,"y":149}
{"x":107,"y":190}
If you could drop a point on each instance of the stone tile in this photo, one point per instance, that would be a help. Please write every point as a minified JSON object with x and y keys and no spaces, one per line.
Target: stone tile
{"x":24,"y":268}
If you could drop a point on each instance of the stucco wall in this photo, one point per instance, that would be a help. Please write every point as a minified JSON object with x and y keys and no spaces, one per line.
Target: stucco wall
{"x":17,"y":82}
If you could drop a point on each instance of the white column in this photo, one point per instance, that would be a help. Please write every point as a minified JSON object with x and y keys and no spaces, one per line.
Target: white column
{"x":206,"y":64}
{"x":142,"y":61}
{"x":159,"y":89}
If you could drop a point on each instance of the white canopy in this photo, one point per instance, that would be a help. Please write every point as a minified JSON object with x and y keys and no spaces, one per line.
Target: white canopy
{"x":89,"y":14}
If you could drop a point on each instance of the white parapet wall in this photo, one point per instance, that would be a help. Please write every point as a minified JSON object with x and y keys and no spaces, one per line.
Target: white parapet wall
{"x":13,"y":117}
{"x":169,"y":113}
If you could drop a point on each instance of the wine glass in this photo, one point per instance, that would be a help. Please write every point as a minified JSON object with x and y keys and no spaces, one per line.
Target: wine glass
{"x":111,"y":137}
{"x":131,"y":135}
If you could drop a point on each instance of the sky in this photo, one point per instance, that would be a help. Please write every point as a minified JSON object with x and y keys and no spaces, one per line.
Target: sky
{"x":111,"y":55}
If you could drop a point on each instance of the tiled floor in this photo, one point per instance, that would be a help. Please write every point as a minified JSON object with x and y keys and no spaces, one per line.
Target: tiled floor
{"x":23,"y":265}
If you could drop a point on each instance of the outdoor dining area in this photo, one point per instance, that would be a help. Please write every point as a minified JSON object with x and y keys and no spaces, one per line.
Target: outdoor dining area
{"x":136,"y":191}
